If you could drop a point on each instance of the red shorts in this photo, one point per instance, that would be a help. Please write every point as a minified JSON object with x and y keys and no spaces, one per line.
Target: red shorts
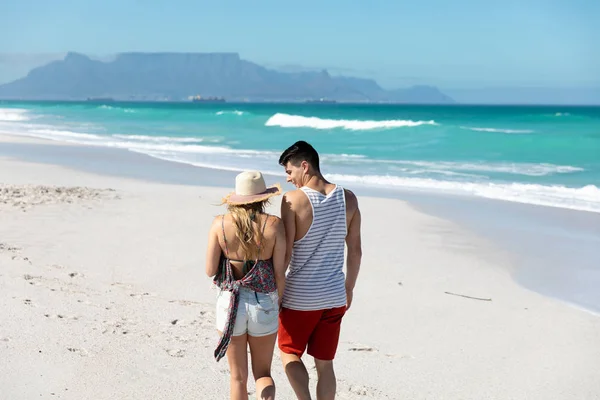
{"x":319,"y":330}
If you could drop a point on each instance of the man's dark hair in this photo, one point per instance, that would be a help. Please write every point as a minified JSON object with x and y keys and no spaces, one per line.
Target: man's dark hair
{"x":298,"y":152}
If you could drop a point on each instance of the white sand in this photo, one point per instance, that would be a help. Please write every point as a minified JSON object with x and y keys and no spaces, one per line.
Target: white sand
{"x":104,"y":296}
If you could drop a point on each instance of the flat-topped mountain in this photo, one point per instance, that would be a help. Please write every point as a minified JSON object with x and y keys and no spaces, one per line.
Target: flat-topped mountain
{"x":177,"y":76}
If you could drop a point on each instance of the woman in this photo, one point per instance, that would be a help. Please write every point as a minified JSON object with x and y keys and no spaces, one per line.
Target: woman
{"x":246,"y":252}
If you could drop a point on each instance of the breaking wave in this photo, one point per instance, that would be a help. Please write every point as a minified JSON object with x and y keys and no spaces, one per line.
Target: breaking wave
{"x":497,"y":130}
{"x":13,"y":114}
{"x":299,"y":121}
{"x":232,"y":112}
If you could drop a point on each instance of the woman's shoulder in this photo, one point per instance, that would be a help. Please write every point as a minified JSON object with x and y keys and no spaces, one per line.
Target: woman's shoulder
{"x":272,"y":219}
{"x":217,"y":221}
{"x":272,"y":222}
{"x":227,"y":220}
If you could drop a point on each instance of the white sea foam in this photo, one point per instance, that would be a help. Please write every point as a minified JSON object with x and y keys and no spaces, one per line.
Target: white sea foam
{"x":440,"y":172}
{"x":342,"y":158}
{"x":586,"y":198}
{"x":529,"y":169}
{"x":13,"y":114}
{"x":56,"y":134}
{"x":299,"y":121}
{"x":497,"y":130}
{"x":125,"y":110}
{"x":206,"y":164}
{"x":161,"y":139}
{"x":178,"y":148}
{"x":233,"y":112}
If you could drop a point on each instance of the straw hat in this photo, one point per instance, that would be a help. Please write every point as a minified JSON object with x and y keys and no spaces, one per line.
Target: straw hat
{"x":250,"y":188}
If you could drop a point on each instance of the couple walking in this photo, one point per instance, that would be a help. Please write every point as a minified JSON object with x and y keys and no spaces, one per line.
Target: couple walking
{"x":248,"y":254}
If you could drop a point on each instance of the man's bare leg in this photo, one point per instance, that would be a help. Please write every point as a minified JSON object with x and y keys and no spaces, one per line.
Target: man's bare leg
{"x":326,"y":385}
{"x":297,"y":375}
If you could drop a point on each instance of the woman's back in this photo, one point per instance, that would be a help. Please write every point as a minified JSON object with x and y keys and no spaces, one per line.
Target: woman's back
{"x":265,"y":229}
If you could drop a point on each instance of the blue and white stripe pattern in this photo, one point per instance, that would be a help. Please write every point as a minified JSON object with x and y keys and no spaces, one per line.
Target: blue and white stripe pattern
{"x":315,"y":278}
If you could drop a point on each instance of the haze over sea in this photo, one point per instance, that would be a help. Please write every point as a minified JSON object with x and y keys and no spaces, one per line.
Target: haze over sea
{"x":537,"y":155}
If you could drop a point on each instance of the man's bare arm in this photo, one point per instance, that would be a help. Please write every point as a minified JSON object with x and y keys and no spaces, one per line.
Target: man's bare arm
{"x":354,"y":245}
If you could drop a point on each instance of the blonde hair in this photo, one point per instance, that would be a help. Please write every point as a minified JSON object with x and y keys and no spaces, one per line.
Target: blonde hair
{"x":249,"y":237}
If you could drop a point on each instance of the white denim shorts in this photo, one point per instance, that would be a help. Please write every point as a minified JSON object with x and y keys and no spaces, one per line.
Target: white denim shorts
{"x":257,"y":313}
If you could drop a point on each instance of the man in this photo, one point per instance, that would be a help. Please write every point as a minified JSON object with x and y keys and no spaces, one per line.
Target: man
{"x":319,"y":218}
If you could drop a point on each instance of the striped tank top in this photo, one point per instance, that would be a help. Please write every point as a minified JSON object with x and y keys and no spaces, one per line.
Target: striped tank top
{"x":315,"y":279}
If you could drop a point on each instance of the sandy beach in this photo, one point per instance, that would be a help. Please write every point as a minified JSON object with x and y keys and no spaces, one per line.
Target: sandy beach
{"x":104,"y":296}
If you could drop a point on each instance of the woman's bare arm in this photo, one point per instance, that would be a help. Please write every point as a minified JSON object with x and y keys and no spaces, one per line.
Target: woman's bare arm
{"x":213,"y":251}
{"x":279,"y":257}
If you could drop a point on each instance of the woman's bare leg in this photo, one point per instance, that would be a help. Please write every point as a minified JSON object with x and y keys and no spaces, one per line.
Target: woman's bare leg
{"x":261,"y":356}
{"x":237,"y":357}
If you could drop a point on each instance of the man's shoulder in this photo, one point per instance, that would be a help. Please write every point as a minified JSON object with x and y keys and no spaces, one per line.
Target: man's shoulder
{"x":351,"y":199}
{"x":295,"y":199}
{"x":295,"y":195}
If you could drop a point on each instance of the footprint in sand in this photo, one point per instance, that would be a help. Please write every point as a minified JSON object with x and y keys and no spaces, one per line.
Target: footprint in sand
{"x":14,"y":251}
{"x":141,"y":295}
{"x":62,"y":317}
{"x":360,"y":347}
{"x":18,"y":257}
{"x":116,"y":327}
{"x":359,"y":390}
{"x":7,"y":247}
{"x":183,"y":339}
{"x":184,"y":302}
{"x":364,"y":391}
{"x":81,"y":352}
{"x":122,"y":285}
{"x":32,"y":279}
{"x":399,"y":356}
{"x":53,"y":284}
{"x":350,"y":391}
{"x":177,"y":353}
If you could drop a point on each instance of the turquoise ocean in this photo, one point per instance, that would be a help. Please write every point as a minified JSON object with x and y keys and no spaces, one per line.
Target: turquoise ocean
{"x":546,"y":156}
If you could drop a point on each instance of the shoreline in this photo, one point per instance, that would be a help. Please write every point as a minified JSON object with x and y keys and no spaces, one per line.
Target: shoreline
{"x":549,"y":247}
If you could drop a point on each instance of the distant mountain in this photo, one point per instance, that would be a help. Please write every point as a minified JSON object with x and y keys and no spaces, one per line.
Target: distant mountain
{"x":16,"y":65}
{"x":176,"y":76}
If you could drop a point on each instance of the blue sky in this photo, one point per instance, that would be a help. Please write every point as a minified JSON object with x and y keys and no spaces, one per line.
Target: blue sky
{"x":459,"y":43}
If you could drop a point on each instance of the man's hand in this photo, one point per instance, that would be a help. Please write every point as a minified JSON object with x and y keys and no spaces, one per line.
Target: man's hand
{"x":349,"y":294}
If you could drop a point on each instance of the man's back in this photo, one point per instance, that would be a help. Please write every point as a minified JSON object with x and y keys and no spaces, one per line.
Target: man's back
{"x":315,"y":279}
